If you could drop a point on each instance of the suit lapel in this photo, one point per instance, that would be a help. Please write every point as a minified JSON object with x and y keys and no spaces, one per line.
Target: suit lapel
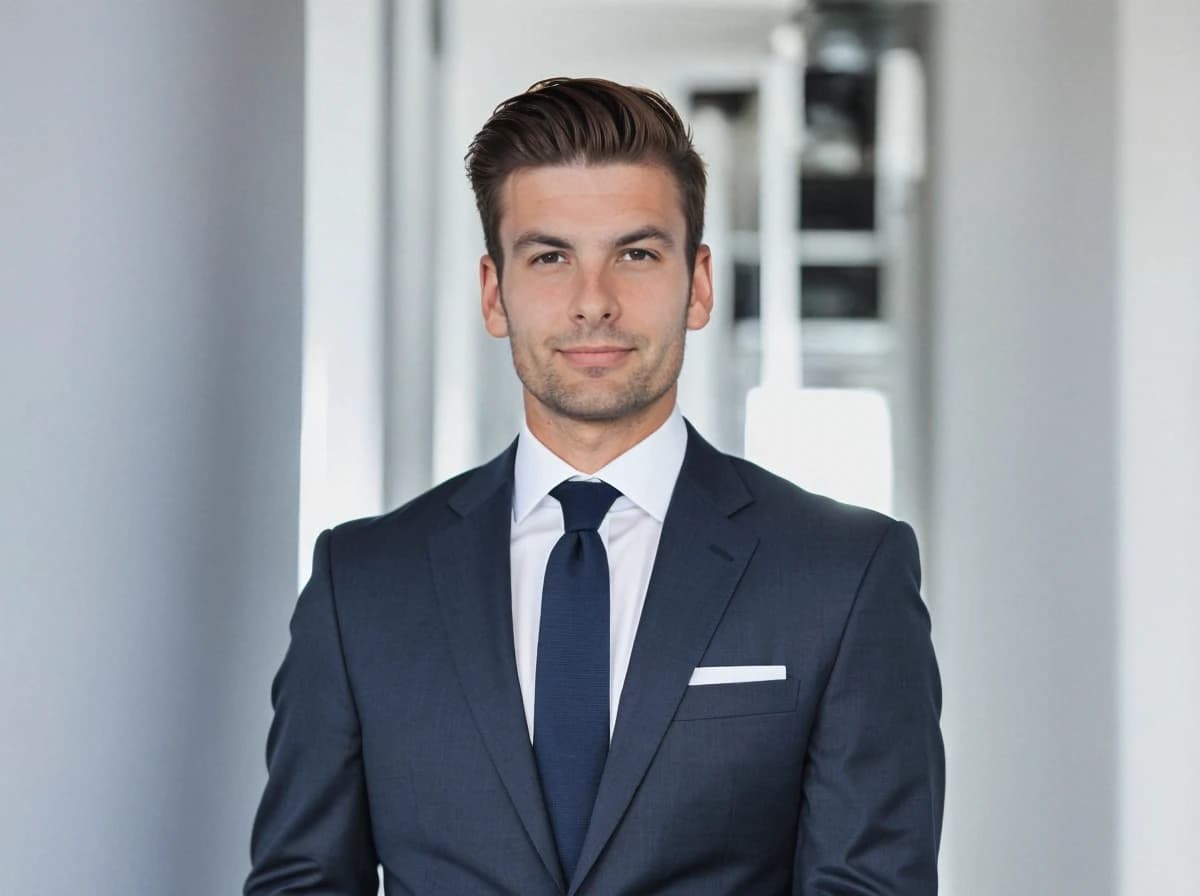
{"x":702,"y":554}
{"x":470,"y":561}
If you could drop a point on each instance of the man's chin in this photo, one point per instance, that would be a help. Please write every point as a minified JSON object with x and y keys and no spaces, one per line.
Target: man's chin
{"x":587,"y":413}
{"x":598,"y":408}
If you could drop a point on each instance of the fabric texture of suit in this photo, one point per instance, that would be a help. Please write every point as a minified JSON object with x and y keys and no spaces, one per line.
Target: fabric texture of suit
{"x":399,"y":735}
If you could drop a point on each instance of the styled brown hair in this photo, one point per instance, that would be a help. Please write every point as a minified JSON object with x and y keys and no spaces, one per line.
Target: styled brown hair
{"x":564,"y":121}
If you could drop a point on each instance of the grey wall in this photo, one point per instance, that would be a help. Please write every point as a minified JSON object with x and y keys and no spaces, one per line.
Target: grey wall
{"x":1159,"y":445}
{"x":150,"y":280}
{"x":1021,"y":566}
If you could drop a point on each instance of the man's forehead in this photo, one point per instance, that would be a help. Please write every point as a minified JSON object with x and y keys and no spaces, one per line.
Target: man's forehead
{"x":569,"y":195}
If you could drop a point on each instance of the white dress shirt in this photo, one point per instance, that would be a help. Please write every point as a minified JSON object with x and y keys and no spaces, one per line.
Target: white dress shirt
{"x":645,"y":476}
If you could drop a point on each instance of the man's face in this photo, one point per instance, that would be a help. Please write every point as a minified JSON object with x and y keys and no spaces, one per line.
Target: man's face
{"x":597,"y":292}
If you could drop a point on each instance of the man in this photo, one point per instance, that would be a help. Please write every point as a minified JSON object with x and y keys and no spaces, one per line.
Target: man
{"x":612,"y":660}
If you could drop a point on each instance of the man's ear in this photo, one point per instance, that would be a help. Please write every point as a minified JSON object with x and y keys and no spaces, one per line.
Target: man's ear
{"x":700,"y":302}
{"x":495,"y":321}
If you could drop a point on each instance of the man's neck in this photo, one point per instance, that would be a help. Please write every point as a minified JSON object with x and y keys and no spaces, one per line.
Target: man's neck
{"x":590,"y":445}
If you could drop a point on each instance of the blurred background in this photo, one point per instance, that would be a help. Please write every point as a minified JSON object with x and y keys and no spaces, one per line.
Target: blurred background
{"x":238,"y":303}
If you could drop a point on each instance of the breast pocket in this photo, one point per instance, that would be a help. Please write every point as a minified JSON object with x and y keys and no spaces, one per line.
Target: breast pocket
{"x":745,"y":698}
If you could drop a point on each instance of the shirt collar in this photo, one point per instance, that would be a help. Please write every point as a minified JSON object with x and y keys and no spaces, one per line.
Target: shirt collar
{"x":645,"y":474}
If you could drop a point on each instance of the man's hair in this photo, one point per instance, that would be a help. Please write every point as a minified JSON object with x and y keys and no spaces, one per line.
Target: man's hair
{"x":567,"y":121}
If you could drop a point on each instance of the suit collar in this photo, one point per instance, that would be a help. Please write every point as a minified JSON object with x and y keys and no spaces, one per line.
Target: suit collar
{"x":713,"y":475}
{"x":644,"y":474}
{"x":706,"y":469}
{"x":482,"y":484}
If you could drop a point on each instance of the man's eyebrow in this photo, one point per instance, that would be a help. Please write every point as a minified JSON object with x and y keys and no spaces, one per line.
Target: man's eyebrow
{"x":532,"y":238}
{"x":650,"y":232}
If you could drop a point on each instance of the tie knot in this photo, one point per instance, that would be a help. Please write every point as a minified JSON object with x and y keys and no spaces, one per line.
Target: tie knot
{"x":584,"y":503}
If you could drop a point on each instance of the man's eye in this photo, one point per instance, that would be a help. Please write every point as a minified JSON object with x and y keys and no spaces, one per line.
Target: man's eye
{"x":638,"y":254}
{"x":549,"y":258}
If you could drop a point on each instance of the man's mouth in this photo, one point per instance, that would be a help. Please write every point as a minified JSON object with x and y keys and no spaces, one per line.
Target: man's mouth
{"x":596,"y":355}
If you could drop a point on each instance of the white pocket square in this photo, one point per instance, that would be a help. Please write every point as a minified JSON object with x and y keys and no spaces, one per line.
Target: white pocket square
{"x":736,"y":674}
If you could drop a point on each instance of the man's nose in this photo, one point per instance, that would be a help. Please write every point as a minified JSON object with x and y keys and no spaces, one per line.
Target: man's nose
{"x":595,"y":300}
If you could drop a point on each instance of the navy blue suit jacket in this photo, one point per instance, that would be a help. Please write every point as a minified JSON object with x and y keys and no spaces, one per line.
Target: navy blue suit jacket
{"x":399,"y":736}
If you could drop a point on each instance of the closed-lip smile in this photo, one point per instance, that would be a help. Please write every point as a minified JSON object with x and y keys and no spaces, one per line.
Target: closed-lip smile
{"x":596,"y":355}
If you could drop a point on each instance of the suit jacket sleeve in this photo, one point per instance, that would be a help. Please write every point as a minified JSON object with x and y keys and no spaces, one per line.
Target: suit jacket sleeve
{"x":312,"y":832}
{"x":874,"y":778}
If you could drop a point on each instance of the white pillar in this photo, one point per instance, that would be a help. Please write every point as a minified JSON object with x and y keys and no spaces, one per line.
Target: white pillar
{"x":415,"y":151}
{"x":704,"y":393}
{"x":900,"y":138}
{"x":341,"y":455}
{"x":781,"y":114}
{"x":460,"y":341}
{"x":1159,"y":446}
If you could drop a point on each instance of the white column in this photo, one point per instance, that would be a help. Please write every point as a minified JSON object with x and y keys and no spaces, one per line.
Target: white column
{"x":704,"y":395}
{"x":1159,"y":446}
{"x":459,"y":338}
{"x":414,"y":152}
{"x":341,"y":454}
{"x":781,"y":112}
{"x":900,"y":138}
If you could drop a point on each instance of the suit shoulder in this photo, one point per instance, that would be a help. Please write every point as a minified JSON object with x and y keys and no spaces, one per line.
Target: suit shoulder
{"x":423,"y":514}
{"x":783,"y":502}
{"x":810,"y":531}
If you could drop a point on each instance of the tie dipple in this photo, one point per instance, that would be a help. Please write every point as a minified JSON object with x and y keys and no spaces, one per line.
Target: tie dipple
{"x":570,"y":731}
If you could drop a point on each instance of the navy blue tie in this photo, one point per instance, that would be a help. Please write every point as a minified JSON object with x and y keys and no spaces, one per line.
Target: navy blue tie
{"x":570,"y":718}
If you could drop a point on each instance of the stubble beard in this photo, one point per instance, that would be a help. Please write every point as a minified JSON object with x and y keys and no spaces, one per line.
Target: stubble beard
{"x":653,"y":379}
{"x":582,"y":403}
